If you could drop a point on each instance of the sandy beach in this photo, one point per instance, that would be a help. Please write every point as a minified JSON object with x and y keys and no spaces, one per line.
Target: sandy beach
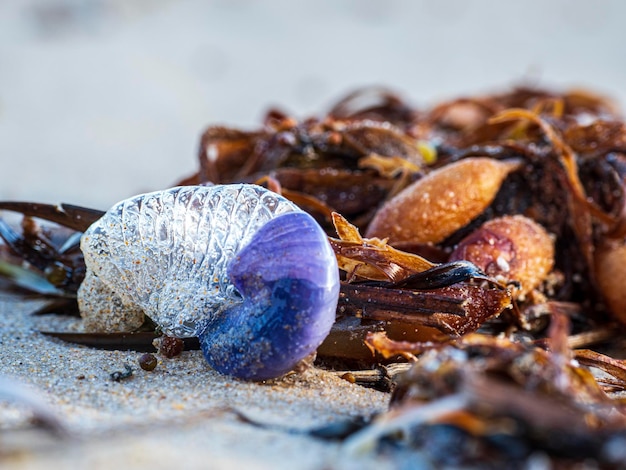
{"x":181,"y":414}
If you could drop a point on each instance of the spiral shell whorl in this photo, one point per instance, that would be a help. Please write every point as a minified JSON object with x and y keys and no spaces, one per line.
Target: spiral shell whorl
{"x":289,"y":281}
{"x":168,"y":251}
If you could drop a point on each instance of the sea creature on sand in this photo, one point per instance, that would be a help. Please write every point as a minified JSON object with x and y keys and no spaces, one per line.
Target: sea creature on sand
{"x":240,"y":267}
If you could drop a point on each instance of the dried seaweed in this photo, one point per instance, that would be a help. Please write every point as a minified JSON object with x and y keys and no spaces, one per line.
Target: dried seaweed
{"x":498,"y":374}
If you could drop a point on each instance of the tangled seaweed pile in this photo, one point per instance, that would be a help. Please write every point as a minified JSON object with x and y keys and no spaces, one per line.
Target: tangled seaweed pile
{"x":527,"y":185}
{"x":493,"y":255}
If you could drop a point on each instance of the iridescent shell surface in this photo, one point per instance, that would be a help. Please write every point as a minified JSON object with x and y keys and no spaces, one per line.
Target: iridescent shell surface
{"x":289,"y":282}
{"x":168,"y":252}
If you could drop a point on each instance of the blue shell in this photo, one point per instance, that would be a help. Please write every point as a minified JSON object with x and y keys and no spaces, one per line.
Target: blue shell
{"x":288,"y":278}
{"x":239,"y":266}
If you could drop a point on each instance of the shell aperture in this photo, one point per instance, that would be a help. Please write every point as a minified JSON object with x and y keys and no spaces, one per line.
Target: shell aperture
{"x":289,"y":281}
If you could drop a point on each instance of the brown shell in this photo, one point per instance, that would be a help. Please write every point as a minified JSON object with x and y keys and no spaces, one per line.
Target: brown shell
{"x":514,"y":248}
{"x":445,"y":200}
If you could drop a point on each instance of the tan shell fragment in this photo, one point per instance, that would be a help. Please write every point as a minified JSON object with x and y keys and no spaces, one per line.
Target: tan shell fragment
{"x":513,"y":248}
{"x":610,"y":264}
{"x":442,"y":202}
{"x":102,"y":309}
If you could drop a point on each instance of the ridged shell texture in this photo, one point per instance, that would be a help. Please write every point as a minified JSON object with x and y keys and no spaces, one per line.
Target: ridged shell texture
{"x":168,"y":251}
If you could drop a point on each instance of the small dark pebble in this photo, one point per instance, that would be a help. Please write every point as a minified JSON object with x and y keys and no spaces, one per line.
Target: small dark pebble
{"x":147,"y":361}
{"x":80,"y":377}
{"x":119,"y":375}
{"x":171,"y":347}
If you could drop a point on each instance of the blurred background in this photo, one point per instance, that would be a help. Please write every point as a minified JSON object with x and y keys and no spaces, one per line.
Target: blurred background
{"x":103,"y":99}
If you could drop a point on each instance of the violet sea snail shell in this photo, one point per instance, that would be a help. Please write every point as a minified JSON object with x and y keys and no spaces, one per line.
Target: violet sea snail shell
{"x":241,"y":267}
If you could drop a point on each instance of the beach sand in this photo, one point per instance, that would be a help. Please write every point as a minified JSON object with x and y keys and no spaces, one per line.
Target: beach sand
{"x":182,"y":414}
